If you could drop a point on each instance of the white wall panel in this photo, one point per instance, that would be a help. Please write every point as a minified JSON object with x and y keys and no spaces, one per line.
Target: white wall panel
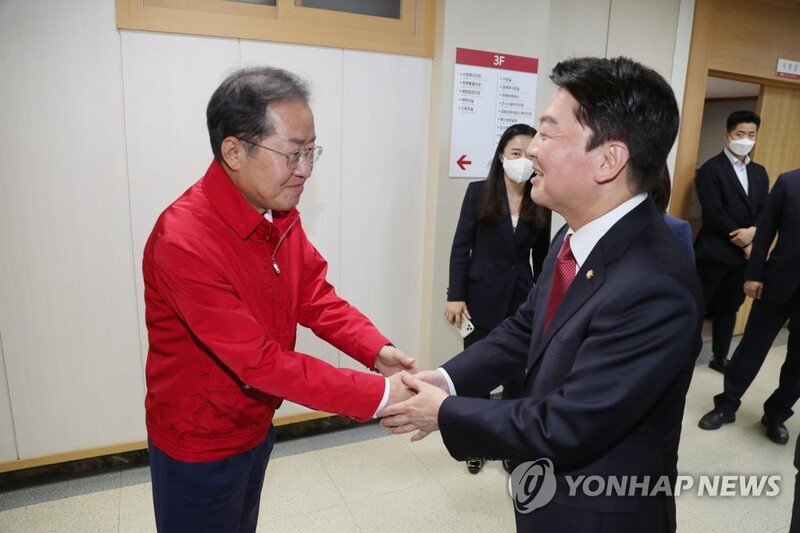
{"x":68,"y":315}
{"x":384,"y":167}
{"x":166,"y":91}
{"x":644,"y":30}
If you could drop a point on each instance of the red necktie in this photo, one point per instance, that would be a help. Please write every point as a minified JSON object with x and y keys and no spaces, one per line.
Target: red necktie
{"x":562,"y":278}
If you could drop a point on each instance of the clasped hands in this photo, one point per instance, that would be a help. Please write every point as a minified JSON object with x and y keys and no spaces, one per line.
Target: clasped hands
{"x":414,"y":403}
{"x":414,"y":397}
{"x":743,"y":238}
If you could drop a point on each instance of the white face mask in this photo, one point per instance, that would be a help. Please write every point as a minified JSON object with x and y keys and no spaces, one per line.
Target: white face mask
{"x":518,"y":170}
{"x":741,"y":147}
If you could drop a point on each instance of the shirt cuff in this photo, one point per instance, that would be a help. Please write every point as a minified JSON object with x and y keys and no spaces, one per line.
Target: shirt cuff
{"x":385,"y":399}
{"x":449,"y":381}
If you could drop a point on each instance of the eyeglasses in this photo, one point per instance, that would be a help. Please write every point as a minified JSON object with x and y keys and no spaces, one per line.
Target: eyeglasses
{"x":296,"y":158}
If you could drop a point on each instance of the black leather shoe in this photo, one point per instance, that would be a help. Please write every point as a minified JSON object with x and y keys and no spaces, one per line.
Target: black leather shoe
{"x":474,"y":465}
{"x":776,"y":431}
{"x":715,"y":419}
{"x":718,"y":364}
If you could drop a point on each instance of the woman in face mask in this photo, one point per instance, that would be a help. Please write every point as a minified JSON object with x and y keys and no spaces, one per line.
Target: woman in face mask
{"x":499,"y":246}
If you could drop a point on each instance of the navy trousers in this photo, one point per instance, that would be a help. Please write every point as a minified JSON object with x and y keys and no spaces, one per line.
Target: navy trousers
{"x":763,"y":325}
{"x":214,"y":496}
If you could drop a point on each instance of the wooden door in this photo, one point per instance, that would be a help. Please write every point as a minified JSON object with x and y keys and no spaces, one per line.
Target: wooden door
{"x":778,"y":147}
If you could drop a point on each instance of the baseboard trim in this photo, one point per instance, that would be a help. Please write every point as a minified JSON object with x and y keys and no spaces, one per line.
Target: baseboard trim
{"x":299,"y":421}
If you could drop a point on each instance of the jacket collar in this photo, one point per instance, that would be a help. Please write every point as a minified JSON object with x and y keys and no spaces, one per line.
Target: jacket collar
{"x":231,"y":205}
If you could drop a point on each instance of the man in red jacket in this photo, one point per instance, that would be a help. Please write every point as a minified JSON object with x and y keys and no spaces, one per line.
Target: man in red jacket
{"x":229,"y":274}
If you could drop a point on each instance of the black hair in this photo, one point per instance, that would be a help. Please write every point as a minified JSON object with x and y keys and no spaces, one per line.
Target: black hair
{"x":742,"y":116}
{"x":622,"y":100}
{"x":238,"y":108}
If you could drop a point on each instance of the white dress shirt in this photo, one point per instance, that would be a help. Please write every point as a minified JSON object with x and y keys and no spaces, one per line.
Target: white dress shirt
{"x":740,"y":167}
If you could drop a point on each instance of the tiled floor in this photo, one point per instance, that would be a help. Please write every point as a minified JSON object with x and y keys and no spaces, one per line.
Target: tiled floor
{"x":362,"y":480}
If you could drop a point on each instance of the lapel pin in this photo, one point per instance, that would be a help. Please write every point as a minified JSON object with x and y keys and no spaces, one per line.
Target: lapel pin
{"x":589,"y":274}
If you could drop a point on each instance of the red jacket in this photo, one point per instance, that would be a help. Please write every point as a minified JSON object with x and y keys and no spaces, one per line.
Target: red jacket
{"x":224,"y":292}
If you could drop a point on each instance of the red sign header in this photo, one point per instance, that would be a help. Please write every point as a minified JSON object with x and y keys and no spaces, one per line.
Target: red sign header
{"x":479,"y":58}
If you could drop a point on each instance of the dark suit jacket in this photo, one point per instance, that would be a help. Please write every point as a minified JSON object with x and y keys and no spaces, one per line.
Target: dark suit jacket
{"x":490,"y":262}
{"x":726,"y":207}
{"x":781,"y":273}
{"x":606,"y":383}
{"x":682,"y":231}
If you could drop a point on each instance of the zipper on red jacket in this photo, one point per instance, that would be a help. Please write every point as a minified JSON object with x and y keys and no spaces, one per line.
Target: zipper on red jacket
{"x":275,"y":266}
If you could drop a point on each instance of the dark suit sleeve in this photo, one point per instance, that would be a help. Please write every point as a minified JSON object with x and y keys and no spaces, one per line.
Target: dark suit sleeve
{"x":504,"y":352}
{"x":685,"y":238}
{"x":768,"y":223}
{"x":709,"y":192}
{"x":463,"y":242}
{"x":638,"y":342}
{"x":682,"y":231}
{"x":541,"y":246}
{"x":763,"y":197}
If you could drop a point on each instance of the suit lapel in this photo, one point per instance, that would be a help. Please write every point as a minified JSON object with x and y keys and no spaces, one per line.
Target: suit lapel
{"x":588,"y":279}
{"x":507,"y":226}
{"x":545,"y":285}
{"x":590,"y":276}
{"x":507,"y":229}
{"x":734,"y":179}
{"x":521,"y":233}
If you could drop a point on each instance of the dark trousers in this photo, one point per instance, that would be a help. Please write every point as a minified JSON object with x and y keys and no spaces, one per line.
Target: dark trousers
{"x":763,"y":324}
{"x":724,"y":285}
{"x":214,"y":496}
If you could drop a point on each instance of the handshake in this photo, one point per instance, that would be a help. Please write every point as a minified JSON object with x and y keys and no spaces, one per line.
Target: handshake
{"x":414,"y":397}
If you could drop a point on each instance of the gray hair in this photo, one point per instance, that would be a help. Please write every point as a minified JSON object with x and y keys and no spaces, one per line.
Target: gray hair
{"x":239,"y":106}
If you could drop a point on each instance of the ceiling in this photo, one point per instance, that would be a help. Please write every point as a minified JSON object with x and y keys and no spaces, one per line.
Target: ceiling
{"x":723,"y":88}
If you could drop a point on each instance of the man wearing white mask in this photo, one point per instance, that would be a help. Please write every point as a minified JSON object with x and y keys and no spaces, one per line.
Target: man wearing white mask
{"x":732,"y":191}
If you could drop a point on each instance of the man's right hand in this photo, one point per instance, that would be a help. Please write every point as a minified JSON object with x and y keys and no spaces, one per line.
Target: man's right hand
{"x":753,"y":289}
{"x":435,"y":378}
{"x":743,"y":236}
{"x":399,"y":392}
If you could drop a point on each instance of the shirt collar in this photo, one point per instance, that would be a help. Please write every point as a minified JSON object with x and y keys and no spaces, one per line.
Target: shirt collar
{"x":735,"y":160}
{"x":584,"y":240}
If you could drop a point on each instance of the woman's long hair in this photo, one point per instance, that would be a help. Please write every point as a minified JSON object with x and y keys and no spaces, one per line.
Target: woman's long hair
{"x":493,"y":205}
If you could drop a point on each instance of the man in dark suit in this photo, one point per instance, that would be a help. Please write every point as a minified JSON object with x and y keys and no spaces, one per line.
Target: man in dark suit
{"x":609,"y":366}
{"x":775,"y":286}
{"x":732,"y":191}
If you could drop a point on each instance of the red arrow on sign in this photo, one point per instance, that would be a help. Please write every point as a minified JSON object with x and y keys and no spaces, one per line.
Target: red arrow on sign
{"x":463,"y":162}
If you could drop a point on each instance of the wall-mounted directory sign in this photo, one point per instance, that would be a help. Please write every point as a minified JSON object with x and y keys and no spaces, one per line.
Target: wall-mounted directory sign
{"x":491,"y":91}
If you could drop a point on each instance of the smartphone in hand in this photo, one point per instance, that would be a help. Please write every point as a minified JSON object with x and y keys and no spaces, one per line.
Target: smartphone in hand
{"x":466,"y":326}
